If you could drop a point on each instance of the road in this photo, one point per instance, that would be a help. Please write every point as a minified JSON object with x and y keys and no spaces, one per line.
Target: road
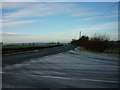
{"x":70,"y":69}
{"x":19,"y":58}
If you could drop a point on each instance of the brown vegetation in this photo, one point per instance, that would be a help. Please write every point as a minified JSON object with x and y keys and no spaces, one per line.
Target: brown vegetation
{"x":97,"y":43}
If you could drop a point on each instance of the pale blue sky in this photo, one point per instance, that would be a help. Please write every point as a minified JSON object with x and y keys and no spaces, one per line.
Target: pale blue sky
{"x":60,"y":21}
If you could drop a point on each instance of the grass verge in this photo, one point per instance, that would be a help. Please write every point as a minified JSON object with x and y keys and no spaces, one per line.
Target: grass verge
{"x":112,"y":52}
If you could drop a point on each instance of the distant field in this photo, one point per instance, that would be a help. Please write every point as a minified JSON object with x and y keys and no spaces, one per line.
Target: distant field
{"x":9,"y":49}
{"x":20,"y":46}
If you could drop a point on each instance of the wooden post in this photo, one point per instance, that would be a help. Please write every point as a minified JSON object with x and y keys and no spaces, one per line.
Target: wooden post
{"x":80,"y":35}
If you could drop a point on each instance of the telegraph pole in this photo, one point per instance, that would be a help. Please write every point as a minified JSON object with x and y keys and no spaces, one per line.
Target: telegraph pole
{"x":80,"y":35}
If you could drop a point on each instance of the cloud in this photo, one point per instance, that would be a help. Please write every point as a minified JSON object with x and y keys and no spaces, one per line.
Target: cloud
{"x":21,"y":10}
{"x":34,"y":9}
{"x":44,"y":9}
{"x":15,"y":5}
{"x":8,"y":33}
{"x":97,"y":17}
{"x":83,"y":13}
{"x":3,"y":20}
{"x":18,"y":22}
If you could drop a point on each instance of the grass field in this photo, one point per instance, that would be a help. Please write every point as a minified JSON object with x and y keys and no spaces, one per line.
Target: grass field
{"x":9,"y":49}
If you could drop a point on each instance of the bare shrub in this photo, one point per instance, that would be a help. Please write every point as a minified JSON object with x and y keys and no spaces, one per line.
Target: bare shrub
{"x":98,"y":42}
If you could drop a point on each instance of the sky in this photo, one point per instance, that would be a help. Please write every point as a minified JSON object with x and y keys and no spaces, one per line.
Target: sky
{"x":57,"y":21}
